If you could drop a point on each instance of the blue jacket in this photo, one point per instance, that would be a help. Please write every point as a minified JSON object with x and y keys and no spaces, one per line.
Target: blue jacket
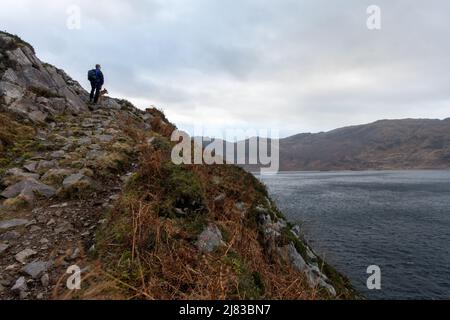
{"x":100,"y":79}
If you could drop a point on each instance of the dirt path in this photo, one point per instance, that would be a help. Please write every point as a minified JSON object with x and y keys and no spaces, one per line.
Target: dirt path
{"x":41,"y":237}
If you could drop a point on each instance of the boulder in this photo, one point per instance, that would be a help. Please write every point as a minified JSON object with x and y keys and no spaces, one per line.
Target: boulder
{"x":75,"y":182}
{"x":28,"y":188}
{"x":210,"y":239}
{"x":10,"y":92}
{"x":44,"y":165}
{"x":36,"y":269}
{"x":55,"y":176}
{"x":16,"y":175}
{"x":31,"y":166}
{"x":20,"y":286}
{"x":23,"y":255}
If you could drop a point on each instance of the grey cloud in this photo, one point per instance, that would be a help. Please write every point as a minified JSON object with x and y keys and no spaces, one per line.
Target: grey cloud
{"x":299,"y":65}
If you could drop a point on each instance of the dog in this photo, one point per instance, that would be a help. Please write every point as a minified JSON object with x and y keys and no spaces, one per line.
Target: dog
{"x":103,"y":93}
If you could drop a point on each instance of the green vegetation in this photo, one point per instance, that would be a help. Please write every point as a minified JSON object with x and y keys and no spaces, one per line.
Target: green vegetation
{"x":16,"y":142}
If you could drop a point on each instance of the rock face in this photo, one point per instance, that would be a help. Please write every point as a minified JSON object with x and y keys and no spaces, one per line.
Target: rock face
{"x":273,"y":228}
{"x":33,"y":89}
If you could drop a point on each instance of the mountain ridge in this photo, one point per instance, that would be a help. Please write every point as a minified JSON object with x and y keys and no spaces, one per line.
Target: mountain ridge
{"x":390,"y":144}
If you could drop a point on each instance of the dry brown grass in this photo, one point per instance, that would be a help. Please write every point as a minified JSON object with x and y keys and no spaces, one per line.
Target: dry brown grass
{"x":11,"y":131}
{"x":146,"y":251}
{"x":149,"y":256}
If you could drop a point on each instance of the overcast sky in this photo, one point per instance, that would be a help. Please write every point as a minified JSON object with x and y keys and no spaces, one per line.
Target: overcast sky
{"x":293,"y":65}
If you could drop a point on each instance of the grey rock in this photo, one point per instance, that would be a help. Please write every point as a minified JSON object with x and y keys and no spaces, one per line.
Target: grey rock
{"x":314,"y":276}
{"x":75,"y":254}
{"x":45,"y":280}
{"x":35,"y":229}
{"x":45,"y":165}
{"x":31,"y":166}
{"x":58,"y":154}
{"x":37,"y":116}
{"x":23,"y":255}
{"x":296,"y":259}
{"x":104,"y":138}
{"x":240,"y":206}
{"x":10,"y":235}
{"x":17,"y":174}
{"x":210,"y":239}
{"x":28,"y":187}
{"x":110,"y":104}
{"x":75,"y":179}
{"x":10,"y":92}
{"x":20,"y":286}
{"x":6,"y":224}
{"x":36,"y":269}
{"x":3,"y":247}
{"x":84,"y":141}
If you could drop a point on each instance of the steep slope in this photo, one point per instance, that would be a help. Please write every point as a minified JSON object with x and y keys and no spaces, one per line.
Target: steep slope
{"x":96,"y":189}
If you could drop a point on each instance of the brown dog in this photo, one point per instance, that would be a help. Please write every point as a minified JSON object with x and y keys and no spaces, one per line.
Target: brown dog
{"x":104,"y":92}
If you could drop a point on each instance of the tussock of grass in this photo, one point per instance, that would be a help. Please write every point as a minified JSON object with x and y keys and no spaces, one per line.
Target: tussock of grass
{"x":16,"y":140}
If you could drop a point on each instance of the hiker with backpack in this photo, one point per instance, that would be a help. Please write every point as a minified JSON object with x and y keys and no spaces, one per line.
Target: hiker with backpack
{"x":95,"y":77}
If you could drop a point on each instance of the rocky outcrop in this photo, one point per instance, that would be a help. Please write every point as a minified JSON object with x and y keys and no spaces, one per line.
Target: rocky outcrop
{"x":284,"y":240}
{"x":33,"y":89}
{"x":210,"y":239}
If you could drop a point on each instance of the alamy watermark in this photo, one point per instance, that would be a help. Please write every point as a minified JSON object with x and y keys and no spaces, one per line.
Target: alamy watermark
{"x":374,"y":280}
{"x":374,"y":17}
{"x":233,"y":146}
{"x":74,"y":280}
{"x":73,"y":21}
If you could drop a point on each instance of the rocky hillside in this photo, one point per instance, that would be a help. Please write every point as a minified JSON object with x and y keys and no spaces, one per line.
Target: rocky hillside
{"x":96,"y":189}
{"x":386,"y":144}
{"x":382,"y":145}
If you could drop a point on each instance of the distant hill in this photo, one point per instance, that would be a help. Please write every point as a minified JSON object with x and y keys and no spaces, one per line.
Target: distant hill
{"x":385,"y":144}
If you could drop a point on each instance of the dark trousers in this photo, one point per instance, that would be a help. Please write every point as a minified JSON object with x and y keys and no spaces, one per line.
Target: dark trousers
{"x":95,"y":92}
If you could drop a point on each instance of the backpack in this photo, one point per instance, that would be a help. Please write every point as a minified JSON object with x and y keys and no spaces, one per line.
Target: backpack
{"x":92,"y":75}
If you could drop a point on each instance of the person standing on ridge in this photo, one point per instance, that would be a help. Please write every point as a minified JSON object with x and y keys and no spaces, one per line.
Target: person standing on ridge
{"x":95,"y":77}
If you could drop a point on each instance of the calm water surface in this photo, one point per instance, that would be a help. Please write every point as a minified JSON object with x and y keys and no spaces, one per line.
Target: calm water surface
{"x":398,"y":220}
